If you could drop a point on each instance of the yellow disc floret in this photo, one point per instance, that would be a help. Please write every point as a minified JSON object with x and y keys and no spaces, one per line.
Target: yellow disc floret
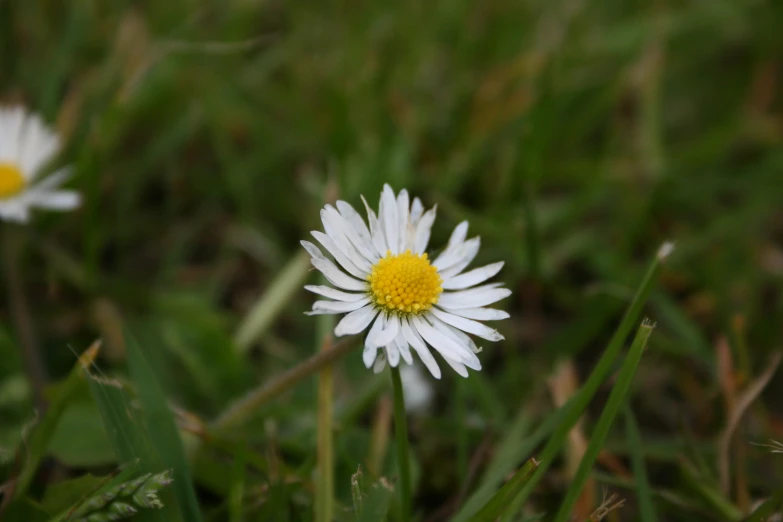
{"x":405,"y":283}
{"x":11,"y":180}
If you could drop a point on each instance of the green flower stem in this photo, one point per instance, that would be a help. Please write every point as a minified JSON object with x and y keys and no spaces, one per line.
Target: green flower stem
{"x":324,"y":499}
{"x":403,"y":458}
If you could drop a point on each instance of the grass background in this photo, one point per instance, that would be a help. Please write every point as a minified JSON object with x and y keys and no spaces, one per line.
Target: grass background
{"x":575,"y":136}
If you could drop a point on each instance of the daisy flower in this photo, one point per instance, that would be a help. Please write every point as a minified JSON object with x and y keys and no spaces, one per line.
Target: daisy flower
{"x":386,"y":281}
{"x":27,"y":145}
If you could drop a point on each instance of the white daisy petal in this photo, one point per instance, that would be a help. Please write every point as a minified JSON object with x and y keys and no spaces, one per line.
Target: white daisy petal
{"x":356,"y":321}
{"x":313,"y":250}
{"x":337,"y":277}
{"x":468,"y":325}
{"x":345,"y":260}
{"x":474,"y":297}
{"x":402,"y":346}
{"x":414,"y":339}
{"x":481,"y":314}
{"x":458,"y":367}
{"x":378,"y":239}
{"x":423,"y":229}
{"x":337,"y":307}
{"x":355,"y":220}
{"x":333,"y":274}
{"x":403,"y":216}
{"x":472,"y":278}
{"x":390,"y":331}
{"x":380,"y":363}
{"x":377,"y":327}
{"x":388,"y":216}
{"x":445,"y":346}
{"x":417,"y":209}
{"x":346,"y":238}
{"x":333,"y":293}
{"x":38,"y":145}
{"x":53,"y":180}
{"x":392,"y":353}
{"x":467,"y":346}
{"x":455,"y":261}
{"x":361,"y":242}
{"x":56,"y":200}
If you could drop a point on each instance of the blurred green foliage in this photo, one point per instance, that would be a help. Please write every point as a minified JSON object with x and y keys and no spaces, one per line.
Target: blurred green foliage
{"x":574,"y":136}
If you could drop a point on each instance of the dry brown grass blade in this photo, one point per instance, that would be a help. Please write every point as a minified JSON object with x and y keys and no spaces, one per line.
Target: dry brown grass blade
{"x":744,"y":400}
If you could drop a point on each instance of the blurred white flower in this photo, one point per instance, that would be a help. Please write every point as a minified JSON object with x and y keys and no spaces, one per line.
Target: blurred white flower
{"x":27,"y":145}
{"x":417,"y":388}
{"x":392,"y":284}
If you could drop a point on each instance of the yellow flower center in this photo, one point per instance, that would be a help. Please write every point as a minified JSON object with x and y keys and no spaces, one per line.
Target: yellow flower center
{"x":11,"y":180}
{"x":405,"y":283}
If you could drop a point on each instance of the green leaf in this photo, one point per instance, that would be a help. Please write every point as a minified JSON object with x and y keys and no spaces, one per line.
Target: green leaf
{"x":41,"y":436}
{"x":162,"y":429}
{"x":498,"y":503}
{"x":376,"y":504}
{"x":80,"y":439}
{"x":616,"y":400}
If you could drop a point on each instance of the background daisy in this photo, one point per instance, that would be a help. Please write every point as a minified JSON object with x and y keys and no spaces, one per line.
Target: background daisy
{"x":26,"y":146}
{"x":386,"y":281}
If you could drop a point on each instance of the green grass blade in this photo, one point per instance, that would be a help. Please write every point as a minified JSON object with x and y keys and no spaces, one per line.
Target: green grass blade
{"x":162,"y":429}
{"x":616,"y":400}
{"x":577,"y":405}
{"x":498,"y":503}
{"x":39,"y":439}
{"x":564,"y":418}
{"x":644,"y":493}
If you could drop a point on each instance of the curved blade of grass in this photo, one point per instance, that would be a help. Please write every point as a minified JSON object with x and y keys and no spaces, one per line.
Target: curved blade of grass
{"x":564,"y":418}
{"x":616,"y":399}
{"x":647,"y":511}
{"x":498,"y":503}
{"x":45,"y":429}
{"x":162,"y":429}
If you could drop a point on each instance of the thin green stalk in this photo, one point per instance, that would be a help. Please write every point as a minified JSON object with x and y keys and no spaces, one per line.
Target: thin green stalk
{"x":576,"y":406}
{"x":616,"y":399}
{"x":246,"y":406}
{"x":403,"y":459}
{"x":324,"y":498}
